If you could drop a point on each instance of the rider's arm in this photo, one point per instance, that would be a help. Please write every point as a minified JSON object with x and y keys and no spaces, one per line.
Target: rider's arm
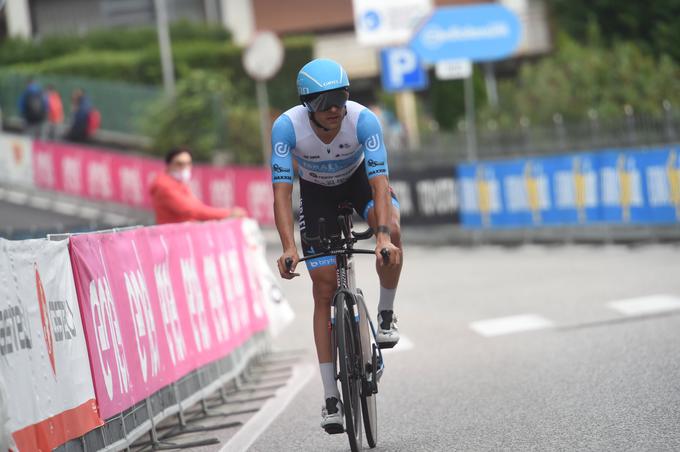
{"x":283,"y":142}
{"x":369,"y":134}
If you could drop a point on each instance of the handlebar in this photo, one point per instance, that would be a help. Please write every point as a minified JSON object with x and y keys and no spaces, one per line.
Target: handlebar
{"x":342,"y":243}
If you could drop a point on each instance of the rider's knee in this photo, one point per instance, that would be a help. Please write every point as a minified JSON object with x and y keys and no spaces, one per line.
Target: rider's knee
{"x":324,"y":285}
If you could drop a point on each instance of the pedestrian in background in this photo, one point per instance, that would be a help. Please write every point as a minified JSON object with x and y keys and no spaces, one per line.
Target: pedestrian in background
{"x":33,"y":108}
{"x":80,"y":117}
{"x":171,"y":196}
{"x":55,"y":112}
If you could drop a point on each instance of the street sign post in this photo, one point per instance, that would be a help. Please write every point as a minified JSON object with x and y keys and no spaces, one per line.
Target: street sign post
{"x":381,"y":23}
{"x":453,"y":69}
{"x":478,"y":33}
{"x":475,"y":33}
{"x":401,"y":70}
{"x":262,"y":59}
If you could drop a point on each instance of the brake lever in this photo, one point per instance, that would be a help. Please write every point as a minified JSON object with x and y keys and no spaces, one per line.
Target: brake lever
{"x":385,"y":253}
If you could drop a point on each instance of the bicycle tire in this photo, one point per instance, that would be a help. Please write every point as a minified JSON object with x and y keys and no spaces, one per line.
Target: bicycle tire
{"x":349,"y":380}
{"x":369,"y":409}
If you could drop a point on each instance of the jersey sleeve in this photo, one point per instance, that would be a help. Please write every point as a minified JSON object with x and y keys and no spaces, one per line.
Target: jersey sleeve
{"x":369,"y":134}
{"x":283,"y":142}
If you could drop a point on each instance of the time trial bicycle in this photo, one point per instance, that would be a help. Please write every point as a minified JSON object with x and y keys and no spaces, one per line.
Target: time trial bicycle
{"x":357,"y":357}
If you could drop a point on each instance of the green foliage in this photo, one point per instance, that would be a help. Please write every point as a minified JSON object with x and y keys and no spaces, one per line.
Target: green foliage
{"x":579,"y":78}
{"x":654,"y":25}
{"x":243,"y":125}
{"x":194,"y":118}
{"x":205,"y":117}
{"x":447,"y":99}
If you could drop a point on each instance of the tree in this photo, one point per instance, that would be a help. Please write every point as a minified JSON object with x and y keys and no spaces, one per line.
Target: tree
{"x":654,"y":25}
{"x":579,"y":78}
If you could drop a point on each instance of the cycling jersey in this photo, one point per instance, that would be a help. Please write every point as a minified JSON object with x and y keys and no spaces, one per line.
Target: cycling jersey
{"x":359,"y":139}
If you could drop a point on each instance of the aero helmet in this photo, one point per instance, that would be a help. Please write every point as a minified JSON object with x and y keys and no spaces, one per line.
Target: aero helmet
{"x":321,"y":75}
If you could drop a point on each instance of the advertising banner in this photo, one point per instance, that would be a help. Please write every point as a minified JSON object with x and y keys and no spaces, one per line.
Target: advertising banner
{"x":159,"y":302}
{"x":16,"y":166}
{"x":117,"y":177}
{"x":45,"y":371}
{"x":426,"y":196}
{"x":620,"y":187}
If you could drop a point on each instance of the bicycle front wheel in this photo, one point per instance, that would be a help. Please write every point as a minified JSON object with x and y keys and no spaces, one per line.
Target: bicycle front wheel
{"x":369,"y":409}
{"x":349,"y":358}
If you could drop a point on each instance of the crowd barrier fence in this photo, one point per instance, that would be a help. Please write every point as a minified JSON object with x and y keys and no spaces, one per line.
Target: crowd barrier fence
{"x":106,"y":175}
{"x":103,"y":335}
{"x":617,"y":187}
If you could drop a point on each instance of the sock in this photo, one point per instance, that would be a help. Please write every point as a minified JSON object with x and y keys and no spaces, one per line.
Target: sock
{"x":330,"y":386}
{"x":386,"y":302}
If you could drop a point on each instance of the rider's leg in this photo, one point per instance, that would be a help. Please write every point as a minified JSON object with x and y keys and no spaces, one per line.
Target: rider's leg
{"x":389,"y":276}
{"x":324,"y":284}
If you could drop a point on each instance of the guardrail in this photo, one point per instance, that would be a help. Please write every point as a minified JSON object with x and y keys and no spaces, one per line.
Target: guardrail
{"x":110,"y":176}
{"x":103,"y":335}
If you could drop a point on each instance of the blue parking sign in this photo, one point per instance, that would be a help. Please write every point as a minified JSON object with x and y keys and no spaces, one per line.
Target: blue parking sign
{"x":401,"y":70}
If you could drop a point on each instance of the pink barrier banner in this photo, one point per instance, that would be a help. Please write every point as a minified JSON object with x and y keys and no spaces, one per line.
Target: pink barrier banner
{"x":159,"y":302}
{"x":114,"y":176}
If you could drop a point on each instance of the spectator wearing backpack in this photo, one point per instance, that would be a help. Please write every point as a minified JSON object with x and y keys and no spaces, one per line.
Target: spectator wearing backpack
{"x":55,"y":112}
{"x":80,"y":120}
{"x":33,"y":108}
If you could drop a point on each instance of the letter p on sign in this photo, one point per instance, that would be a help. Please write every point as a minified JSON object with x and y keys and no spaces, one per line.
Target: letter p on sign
{"x":402,"y":70}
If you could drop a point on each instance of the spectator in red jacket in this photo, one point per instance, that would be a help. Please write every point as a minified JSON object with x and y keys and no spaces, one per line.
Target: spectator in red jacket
{"x":171,"y":196}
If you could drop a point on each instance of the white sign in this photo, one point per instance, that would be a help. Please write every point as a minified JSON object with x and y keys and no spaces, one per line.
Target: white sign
{"x":16,"y":160}
{"x":264,"y":56}
{"x":43,"y":357}
{"x":453,"y":69}
{"x":380,"y":23}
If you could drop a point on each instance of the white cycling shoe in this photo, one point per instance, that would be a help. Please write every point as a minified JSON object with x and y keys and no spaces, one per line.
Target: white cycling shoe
{"x":332,"y":416}
{"x":388,"y":333}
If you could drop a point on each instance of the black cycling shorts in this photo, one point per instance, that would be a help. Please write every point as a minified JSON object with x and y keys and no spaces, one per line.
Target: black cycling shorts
{"x":318,"y":201}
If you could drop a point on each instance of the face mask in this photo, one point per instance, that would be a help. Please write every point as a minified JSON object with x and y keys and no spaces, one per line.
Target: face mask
{"x":183,"y":175}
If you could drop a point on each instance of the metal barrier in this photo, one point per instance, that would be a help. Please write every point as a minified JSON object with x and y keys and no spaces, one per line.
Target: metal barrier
{"x":122,"y":430}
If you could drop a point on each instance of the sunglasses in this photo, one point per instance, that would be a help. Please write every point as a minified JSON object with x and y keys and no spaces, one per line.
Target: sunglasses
{"x":326,"y":100}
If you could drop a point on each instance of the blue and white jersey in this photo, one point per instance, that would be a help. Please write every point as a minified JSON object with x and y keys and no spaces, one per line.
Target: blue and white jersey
{"x":360,"y":138}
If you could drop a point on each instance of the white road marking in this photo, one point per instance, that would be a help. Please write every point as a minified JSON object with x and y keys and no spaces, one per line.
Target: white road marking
{"x":64,"y":208}
{"x":16,"y":197}
{"x":404,"y":344}
{"x":257,"y":424}
{"x":512,"y":324}
{"x":40,"y":202}
{"x":646,"y":305}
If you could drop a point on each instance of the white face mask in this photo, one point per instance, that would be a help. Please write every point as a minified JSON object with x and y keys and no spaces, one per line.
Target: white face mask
{"x":183,"y":175}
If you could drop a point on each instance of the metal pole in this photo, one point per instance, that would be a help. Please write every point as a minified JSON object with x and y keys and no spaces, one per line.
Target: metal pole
{"x":491,"y":89}
{"x":470,"y":127}
{"x":165,"y":47}
{"x":265,"y":124}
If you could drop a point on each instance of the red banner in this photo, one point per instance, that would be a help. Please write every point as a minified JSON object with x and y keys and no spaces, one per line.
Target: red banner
{"x":159,"y":302}
{"x":113,"y":176}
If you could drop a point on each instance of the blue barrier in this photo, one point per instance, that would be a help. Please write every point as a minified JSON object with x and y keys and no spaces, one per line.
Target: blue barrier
{"x":610,"y":186}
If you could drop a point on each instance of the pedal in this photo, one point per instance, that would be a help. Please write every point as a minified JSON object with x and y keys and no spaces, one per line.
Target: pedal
{"x":334,"y":429}
{"x":383,"y":345}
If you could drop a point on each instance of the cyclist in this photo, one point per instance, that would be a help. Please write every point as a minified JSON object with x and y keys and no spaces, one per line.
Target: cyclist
{"x":338,"y":147}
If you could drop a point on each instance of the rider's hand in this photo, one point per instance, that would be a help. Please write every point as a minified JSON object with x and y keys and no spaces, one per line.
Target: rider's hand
{"x":285,"y":272}
{"x":394,"y":253}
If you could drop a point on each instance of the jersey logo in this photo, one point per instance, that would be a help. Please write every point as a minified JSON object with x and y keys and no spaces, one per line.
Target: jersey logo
{"x":373,"y":143}
{"x":280,"y":169}
{"x":281,"y":149}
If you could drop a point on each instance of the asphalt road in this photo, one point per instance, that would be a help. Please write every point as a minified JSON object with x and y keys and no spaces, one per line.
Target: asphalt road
{"x":25,"y":217}
{"x":592,"y":378}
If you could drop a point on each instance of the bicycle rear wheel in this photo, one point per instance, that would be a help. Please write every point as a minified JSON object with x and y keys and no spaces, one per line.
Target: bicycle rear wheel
{"x":349,"y":358}
{"x":369,"y":409}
